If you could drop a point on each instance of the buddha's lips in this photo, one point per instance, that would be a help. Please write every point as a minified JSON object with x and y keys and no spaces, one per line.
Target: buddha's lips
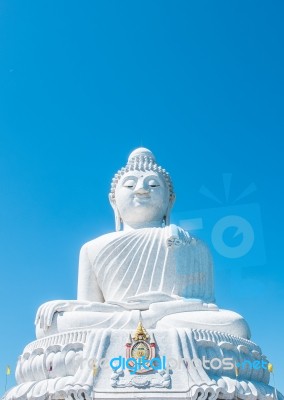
{"x":142,"y":197}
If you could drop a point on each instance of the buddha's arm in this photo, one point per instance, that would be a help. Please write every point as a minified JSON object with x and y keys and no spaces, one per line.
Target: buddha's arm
{"x":89,"y":295}
{"x":88,"y":288}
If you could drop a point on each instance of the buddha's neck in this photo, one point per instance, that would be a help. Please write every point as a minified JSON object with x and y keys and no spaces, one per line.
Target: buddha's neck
{"x":139,"y":225}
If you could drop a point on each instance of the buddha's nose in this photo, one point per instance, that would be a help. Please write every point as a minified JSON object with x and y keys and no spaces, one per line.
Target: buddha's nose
{"x":140,"y":189}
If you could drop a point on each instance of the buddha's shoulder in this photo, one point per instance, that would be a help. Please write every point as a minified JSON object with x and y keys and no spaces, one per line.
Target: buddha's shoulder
{"x":199,"y":243}
{"x":187,"y":238}
{"x":191,"y":246}
{"x":100,"y":242}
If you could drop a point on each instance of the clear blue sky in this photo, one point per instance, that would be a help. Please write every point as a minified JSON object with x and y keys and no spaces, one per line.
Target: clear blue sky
{"x":82,"y":84}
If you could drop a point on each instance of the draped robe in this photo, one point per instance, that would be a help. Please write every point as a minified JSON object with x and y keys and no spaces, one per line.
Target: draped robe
{"x":161,"y":260}
{"x":160,"y":276}
{"x":142,"y":274}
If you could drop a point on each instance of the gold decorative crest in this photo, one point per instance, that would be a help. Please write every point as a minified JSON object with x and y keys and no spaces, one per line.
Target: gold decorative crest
{"x":141,"y":346}
{"x":140,"y":333}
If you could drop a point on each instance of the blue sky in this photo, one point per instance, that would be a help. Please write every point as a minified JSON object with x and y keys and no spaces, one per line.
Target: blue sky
{"x":82,"y":84}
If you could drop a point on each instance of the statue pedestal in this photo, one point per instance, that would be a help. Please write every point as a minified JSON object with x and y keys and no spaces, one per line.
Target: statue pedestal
{"x":61,"y":367}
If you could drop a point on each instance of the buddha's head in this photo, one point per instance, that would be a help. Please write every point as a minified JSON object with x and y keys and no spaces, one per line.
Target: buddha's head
{"x":141,"y":192}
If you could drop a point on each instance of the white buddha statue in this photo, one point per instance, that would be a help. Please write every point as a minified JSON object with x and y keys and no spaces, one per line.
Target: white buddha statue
{"x":148,"y":270}
{"x":152,"y":276}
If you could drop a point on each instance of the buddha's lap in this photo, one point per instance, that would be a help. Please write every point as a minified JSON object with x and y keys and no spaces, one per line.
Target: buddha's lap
{"x":216,"y":320}
{"x":222,"y":321}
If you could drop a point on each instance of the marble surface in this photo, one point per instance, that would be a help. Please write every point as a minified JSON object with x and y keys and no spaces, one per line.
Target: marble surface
{"x":72,"y":356}
{"x":147,"y":271}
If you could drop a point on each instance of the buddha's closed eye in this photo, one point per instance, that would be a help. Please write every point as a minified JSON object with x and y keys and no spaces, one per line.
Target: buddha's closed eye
{"x":129,"y":183}
{"x":153,"y":183}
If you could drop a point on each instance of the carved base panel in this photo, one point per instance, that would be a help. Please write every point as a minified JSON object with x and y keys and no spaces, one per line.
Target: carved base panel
{"x":76,"y":365}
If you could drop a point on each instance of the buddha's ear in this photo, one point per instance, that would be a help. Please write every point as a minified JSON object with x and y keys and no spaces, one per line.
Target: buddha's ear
{"x":168,"y":213}
{"x":118,"y":220}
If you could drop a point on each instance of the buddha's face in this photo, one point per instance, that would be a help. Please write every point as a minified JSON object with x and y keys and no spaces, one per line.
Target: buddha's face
{"x":142,"y":197}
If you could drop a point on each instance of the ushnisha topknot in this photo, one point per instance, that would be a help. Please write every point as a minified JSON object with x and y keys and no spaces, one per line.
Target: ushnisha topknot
{"x":141,"y":159}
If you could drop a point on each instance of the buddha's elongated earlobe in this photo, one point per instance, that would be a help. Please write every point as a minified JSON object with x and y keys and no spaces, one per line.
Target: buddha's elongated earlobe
{"x":118,"y":220}
{"x":117,"y":217}
{"x":169,"y":209}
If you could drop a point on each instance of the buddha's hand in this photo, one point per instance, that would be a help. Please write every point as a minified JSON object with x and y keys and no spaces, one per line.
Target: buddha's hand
{"x":46,"y":311}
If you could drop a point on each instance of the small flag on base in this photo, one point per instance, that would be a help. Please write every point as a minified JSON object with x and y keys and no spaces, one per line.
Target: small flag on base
{"x":95,"y":370}
{"x":270,"y":367}
{"x":8,"y":372}
{"x":236,"y":371}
